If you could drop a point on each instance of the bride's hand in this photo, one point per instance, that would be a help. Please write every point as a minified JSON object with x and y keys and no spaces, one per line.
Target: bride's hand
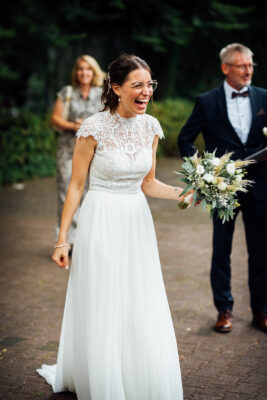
{"x":187,"y":198}
{"x":61,"y":257}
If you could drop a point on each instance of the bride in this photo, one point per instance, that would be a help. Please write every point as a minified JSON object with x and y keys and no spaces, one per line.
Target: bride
{"x":117,"y":340}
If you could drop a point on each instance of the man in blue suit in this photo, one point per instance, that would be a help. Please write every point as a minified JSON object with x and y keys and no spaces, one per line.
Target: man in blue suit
{"x":231,"y":119}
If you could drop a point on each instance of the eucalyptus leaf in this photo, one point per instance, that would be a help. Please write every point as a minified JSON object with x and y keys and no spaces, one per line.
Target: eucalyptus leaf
{"x":186,"y":189}
{"x":195,"y":197}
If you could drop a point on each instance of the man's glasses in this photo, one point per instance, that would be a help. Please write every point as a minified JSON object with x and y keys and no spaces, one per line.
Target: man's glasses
{"x":243,"y":67}
{"x":140,"y":86}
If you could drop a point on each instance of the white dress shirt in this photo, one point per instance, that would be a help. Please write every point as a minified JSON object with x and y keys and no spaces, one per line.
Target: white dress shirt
{"x":239,"y":111}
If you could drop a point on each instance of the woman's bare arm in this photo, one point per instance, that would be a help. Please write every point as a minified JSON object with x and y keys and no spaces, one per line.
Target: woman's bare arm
{"x":82,"y":157}
{"x":153,"y":187}
{"x":58,"y":121}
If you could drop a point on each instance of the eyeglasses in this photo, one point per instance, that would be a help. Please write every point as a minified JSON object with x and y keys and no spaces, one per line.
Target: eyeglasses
{"x":243,"y":67}
{"x":140,"y":86}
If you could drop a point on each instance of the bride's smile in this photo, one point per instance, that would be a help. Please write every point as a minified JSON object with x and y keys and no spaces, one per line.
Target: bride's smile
{"x":135,"y":93}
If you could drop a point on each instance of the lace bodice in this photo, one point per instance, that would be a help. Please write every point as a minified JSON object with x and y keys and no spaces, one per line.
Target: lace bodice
{"x":123,"y":154}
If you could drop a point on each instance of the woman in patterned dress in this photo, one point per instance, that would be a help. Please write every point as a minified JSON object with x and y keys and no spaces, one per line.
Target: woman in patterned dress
{"x":84,"y":100}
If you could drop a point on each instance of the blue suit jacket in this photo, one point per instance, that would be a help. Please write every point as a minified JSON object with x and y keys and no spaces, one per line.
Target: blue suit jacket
{"x":210,"y":117}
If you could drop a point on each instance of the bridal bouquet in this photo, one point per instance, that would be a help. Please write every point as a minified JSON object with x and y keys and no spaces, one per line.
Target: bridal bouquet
{"x":216,"y":181}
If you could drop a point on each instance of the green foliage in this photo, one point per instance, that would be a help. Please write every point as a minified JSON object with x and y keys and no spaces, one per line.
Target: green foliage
{"x":172,"y":115}
{"x":28,"y":146}
{"x":180,"y":40}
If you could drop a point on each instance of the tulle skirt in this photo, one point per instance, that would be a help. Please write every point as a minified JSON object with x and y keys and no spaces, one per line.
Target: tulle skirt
{"x":117,"y":339}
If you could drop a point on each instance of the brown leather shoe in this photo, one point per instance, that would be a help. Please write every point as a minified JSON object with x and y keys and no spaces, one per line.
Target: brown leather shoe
{"x":224,"y":322}
{"x":260,"y":320}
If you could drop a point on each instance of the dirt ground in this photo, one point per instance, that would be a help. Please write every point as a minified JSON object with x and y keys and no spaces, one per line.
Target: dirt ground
{"x":214,"y":366}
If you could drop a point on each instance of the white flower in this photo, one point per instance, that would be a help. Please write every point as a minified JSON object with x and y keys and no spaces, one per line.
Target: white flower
{"x":215,"y":161}
{"x":200,"y":169}
{"x":223,"y":202}
{"x":265,"y":130}
{"x":238,"y":178}
{"x":238,"y":171}
{"x":222,"y":186}
{"x":230,"y":168}
{"x":209,"y":178}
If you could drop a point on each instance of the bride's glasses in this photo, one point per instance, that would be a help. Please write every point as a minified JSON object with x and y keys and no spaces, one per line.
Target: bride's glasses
{"x":140,"y":86}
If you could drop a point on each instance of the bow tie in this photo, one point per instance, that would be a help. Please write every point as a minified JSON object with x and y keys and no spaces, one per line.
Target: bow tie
{"x":238,"y":94}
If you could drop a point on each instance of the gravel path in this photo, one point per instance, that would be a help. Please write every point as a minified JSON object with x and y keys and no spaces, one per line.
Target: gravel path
{"x":214,"y":366}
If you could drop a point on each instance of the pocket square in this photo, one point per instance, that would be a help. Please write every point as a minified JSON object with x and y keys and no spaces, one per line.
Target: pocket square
{"x":261,"y":112}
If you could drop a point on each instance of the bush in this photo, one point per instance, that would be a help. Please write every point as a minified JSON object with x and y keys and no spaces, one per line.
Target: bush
{"x":28,"y":147}
{"x":172,"y":115}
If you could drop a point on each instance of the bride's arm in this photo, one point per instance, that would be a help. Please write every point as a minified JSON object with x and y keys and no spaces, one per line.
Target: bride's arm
{"x":153,"y":187}
{"x":82,"y":156}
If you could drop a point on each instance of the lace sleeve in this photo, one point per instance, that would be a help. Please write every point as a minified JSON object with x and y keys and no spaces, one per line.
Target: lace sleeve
{"x":88,"y":128}
{"x":157,"y":130}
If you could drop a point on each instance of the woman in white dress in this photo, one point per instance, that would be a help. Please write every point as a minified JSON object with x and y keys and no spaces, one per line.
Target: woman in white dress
{"x":117,"y":340}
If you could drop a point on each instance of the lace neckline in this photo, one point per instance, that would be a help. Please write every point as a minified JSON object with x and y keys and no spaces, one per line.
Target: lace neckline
{"x":123,"y":120}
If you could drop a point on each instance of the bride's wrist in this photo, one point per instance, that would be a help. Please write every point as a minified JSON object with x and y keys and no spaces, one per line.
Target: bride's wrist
{"x":61,"y":240}
{"x":178,"y":192}
{"x":60,"y":245}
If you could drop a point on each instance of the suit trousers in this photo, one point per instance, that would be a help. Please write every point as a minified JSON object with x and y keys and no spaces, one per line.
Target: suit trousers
{"x":254,"y":215}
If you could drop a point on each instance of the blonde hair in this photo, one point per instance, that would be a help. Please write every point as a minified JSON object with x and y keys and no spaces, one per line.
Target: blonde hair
{"x":227,"y":53}
{"x":99,"y":75}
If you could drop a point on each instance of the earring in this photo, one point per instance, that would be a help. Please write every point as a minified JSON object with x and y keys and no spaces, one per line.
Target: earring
{"x":119,"y":99}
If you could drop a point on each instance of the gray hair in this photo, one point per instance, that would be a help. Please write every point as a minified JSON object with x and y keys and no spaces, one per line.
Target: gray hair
{"x":227,"y":53}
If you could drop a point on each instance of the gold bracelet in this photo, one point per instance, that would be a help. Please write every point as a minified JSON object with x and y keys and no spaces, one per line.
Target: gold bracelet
{"x":58,"y":246}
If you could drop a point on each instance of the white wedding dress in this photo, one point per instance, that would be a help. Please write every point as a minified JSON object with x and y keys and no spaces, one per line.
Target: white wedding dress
{"x":117,"y":340}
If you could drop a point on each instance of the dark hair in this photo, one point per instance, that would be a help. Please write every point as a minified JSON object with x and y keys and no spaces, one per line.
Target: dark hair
{"x":118,"y":71}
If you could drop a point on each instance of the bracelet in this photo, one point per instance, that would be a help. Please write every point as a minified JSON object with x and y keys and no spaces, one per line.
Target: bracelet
{"x":58,"y":246}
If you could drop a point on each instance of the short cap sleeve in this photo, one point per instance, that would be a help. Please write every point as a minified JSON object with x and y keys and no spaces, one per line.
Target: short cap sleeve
{"x":62,"y":94}
{"x":88,"y":128}
{"x":157,"y":130}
